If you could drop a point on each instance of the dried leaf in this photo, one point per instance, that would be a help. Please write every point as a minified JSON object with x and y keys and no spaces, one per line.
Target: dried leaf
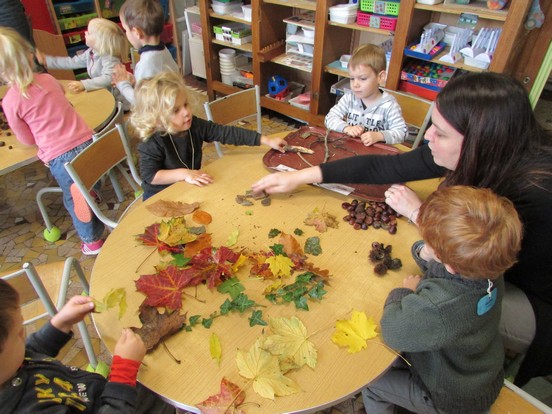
{"x":354,"y":332}
{"x":280,"y":265}
{"x":156,"y":326}
{"x":203,"y":241}
{"x":263,"y":369}
{"x":233,"y":238}
{"x":215,"y":348}
{"x":312,"y":246}
{"x":202,"y":217}
{"x":321,"y":220}
{"x":212,"y":266}
{"x":150,"y":238}
{"x":289,"y":340}
{"x":164,"y":288}
{"x":113,"y":298}
{"x":241,"y":199}
{"x":226,"y":401}
{"x":165,"y":208}
{"x":291,"y":245}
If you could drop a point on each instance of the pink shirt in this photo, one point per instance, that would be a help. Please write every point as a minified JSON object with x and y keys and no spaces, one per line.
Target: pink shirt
{"x":46,"y":118}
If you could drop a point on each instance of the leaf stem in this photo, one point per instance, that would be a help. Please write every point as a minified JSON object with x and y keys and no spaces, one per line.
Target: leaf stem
{"x":146,"y":258}
{"x":178,"y":361}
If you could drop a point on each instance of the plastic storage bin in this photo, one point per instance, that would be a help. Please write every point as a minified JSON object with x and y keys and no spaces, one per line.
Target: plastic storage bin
{"x":73,"y":37}
{"x":390,"y":8}
{"x":79,"y":6}
{"x":376,"y":21}
{"x":76,"y":21}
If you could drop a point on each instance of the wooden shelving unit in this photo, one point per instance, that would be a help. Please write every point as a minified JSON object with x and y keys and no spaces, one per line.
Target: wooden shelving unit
{"x":268,"y":47}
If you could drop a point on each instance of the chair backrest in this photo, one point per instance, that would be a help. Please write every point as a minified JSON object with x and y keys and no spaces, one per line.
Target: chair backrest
{"x":54,"y":45}
{"x":235,"y":107}
{"x":43,"y":290}
{"x":116,"y":119}
{"x":108,"y":149}
{"x":416,"y":112}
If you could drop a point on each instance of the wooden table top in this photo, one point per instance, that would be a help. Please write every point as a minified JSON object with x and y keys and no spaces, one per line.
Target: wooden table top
{"x":353,"y":285}
{"x":96,"y":108}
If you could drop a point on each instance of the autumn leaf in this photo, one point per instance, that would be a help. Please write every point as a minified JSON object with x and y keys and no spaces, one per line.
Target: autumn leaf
{"x":231,"y":286}
{"x":280,"y":265}
{"x":157,"y":326}
{"x":150,"y":238}
{"x":239,"y":263}
{"x":202,"y":217}
{"x":164,"y":288}
{"x":165,"y":208}
{"x":233,"y":238}
{"x":321,"y":220}
{"x":291,"y":245}
{"x":203,"y":241}
{"x":354,"y":332}
{"x":263,"y":369}
{"x":289,"y":340}
{"x":215,"y":348}
{"x":226,"y":401}
{"x":112,"y":298}
{"x":174,"y":232}
{"x":312,"y":246}
{"x":212,"y":266}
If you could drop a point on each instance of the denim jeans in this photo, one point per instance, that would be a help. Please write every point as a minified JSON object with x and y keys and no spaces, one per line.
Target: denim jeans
{"x":88,"y":232}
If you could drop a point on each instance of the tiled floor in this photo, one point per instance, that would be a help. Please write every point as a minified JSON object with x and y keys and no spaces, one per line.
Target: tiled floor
{"x":21,"y":228}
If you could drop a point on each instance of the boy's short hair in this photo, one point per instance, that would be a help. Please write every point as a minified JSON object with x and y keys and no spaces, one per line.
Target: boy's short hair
{"x":146,"y":15}
{"x":473,"y":230}
{"x":369,"y":55}
{"x":110,"y":38}
{"x":9,"y":302}
{"x":154,"y":102}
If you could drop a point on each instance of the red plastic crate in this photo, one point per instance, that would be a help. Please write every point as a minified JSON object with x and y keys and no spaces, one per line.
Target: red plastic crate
{"x":167,"y":35}
{"x":376,"y":21}
{"x":73,"y":37}
{"x":418,"y":90}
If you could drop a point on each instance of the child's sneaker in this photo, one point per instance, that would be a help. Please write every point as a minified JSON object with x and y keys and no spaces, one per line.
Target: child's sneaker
{"x":92,"y":249}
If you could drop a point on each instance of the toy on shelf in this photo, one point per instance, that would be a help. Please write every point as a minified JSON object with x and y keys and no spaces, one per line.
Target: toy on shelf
{"x":461,"y":39}
{"x":429,"y":74}
{"x":480,"y":53}
{"x":430,"y":43}
{"x":278,"y":87}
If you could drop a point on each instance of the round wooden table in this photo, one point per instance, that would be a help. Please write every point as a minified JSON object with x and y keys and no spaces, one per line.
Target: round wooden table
{"x":353,"y":285}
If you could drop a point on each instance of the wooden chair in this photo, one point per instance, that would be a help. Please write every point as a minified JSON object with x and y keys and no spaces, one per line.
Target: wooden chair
{"x":54,"y":45}
{"x":416,"y":112}
{"x":235,"y":107}
{"x":109,"y":149}
{"x":42,"y":286}
{"x":513,"y":399}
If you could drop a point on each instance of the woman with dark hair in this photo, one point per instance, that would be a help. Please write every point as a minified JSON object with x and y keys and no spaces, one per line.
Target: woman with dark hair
{"x":483,"y":134}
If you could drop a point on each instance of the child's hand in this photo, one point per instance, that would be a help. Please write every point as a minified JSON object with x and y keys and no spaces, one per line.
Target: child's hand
{"x":130,"y":346}
{"x":72,"y":312}
{"x":196,"y":177}
{"x":371,"y":137}
{"x":120,"y":74}
{"x":403,"y":200}
{"x":411,"y":282}
{"x":354,"y":130}
{"x":75,"y":86}
{"x":41,"y":58}
{"x":277,"y":143}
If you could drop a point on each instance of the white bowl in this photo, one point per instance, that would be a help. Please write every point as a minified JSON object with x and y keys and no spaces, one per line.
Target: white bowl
{"x":345,"y":61}
{"x":343,"y":19}
{"x":226,"y":8}
{"x":227,"y":54}
{"x":308,"y":32}
{"x":344,"y":9}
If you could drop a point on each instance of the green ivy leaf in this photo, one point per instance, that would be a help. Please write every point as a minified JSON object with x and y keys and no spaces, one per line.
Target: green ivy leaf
{"x":231,"y":286}
{"x":273,"y":233}
{"x":242,"y":302}
{"x":312,"y":246}
{"x":226,"y":307}
{"x":207,"y":322}
{"x":257,"y":318}
{"x":298,"y":232}
{"x":278,"y":249}
{"x":301,"y":303}
{"x":179,"y":260}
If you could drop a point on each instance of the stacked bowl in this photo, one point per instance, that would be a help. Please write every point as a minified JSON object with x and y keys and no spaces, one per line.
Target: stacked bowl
{"x":228,"y":71}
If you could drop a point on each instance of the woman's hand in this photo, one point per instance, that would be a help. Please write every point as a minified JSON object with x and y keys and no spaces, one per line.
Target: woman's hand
{"x":284,"y":182}
{"x":403,"y":200}
{"x":72,"y":312}
{"x":276,"y":143}
{"x":75,"y":86}
{"x":354,"y":130}
{"x":411,"y":282}
{"x":196,"y":177}
{"x":130,"y":346}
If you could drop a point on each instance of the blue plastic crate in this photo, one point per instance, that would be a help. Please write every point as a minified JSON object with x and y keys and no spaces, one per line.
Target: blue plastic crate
{"x":78,"y":6}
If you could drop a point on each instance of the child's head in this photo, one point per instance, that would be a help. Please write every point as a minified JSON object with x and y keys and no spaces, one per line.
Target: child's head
{"x":142,"y":18}
{"x":12,"y":334}
{"x":16,"y":59}
{"x":106,"y":38}
{"x":474,"y":231}
{"x":367,"y":70}
{"x":161,"y":105}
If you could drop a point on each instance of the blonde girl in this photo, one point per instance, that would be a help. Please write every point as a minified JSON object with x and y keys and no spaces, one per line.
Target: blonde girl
{"x":172,"y":137}
{"x":39,"y":114}
{"x":107,"y":47}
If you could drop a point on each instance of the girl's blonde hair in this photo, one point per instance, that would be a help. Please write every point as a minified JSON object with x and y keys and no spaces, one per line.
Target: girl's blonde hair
{"x":110,"y":38}
{"x":154,"y":102}
{"x":16,"y":60}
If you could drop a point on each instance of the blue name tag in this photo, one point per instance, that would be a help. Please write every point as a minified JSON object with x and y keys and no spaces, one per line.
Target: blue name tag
{"x":486,"y":302}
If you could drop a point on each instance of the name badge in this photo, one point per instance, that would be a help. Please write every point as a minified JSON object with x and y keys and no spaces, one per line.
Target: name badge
{"x":486,"y":302}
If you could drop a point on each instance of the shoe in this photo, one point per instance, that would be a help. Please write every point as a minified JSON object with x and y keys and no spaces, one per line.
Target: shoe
{"x":92,"y":249}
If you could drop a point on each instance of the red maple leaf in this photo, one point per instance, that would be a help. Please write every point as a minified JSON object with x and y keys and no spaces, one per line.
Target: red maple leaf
{"x":227,"y":401}
{"x":149,"y":238}
{"x":212,"y":266}
{"x":164,"y":288}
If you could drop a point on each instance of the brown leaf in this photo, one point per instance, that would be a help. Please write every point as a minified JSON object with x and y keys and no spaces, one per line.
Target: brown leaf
{"x":193,"y":248}
{"x":202,"y":217}
{"x":157,"y":326}
{"x":321,"y":220}
{"x":165,"y":208}
{"x":227,"y":400}
{"x":291,"y":245}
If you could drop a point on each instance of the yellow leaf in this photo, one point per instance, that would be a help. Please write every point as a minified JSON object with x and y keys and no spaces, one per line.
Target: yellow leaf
{"x":215,"y":348}
{"x":113,"y":298}
{"x":239,"y":263}
{"x":233,"y":238}
{"x":273,"y":286}
{"x":263,"y":369}
{"x":280,"y":265}
{"x":290,"y":341}
{"x":354,"y":332}
{"x":174,"y":232}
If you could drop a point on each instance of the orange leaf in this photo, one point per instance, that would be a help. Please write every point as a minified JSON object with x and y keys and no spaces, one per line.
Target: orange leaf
{"x":291,"y":245}
{"x":193,"y":248}
{"x":227,"y":401}
{"x":202,"y":217}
